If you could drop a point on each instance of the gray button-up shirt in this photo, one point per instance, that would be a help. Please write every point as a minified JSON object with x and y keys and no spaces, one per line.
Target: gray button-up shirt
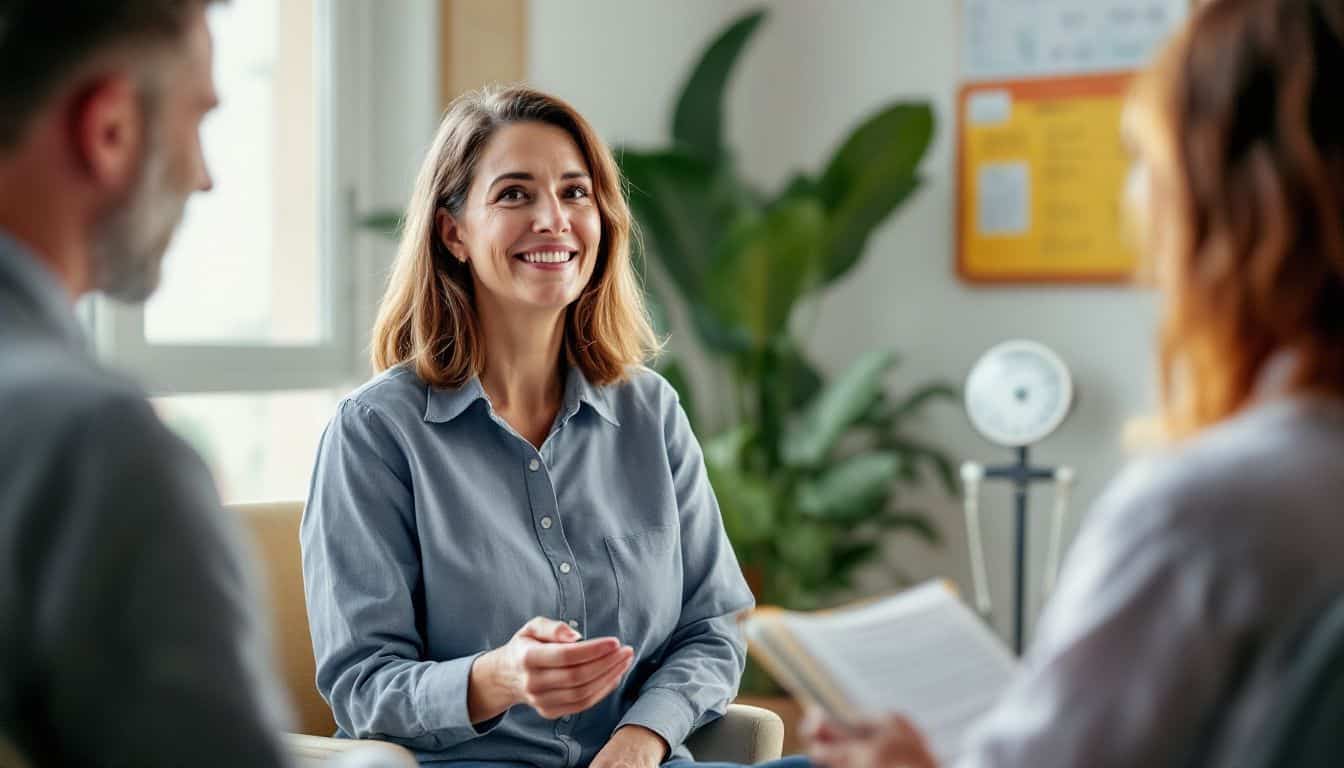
{"x":128,"y":635}
{"x":434,"y":532}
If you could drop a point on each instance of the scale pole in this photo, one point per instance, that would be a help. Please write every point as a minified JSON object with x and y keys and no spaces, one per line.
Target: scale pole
{"x":1021,"y":483}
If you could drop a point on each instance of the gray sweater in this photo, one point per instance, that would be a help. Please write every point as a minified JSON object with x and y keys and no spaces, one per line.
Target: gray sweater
{"x":1166,"y":641}
{"x":127,"y":628}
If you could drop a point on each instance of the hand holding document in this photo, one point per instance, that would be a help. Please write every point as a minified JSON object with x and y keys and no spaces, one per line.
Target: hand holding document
{"x":921,"y":653}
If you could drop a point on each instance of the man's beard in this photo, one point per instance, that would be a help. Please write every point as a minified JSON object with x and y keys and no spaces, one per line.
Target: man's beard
{"x":133,"y":238}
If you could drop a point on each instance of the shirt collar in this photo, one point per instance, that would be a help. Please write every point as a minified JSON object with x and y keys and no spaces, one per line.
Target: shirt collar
{"x":447,"y":404}
{"x":579,"y":390}
{"x":39,"y":294}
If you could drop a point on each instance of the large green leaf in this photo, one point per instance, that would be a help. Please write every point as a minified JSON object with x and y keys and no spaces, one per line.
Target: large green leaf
{"x":872,"y":173}
{"x":888,"y":416}
{"x":914,"y":453}
{"x":718,"y":333}
{"x":849,"y":557}
{"x":746,"y":501}
{"x":915,"y":401}
{"x":698,"y":120}
{"x":796,"y":372}
{"x":805,"y":548}
{"x":858,"y":214}
{"x":764,"y":265}
{"x":890,"y":142}
{"x":915,"y":521}
{"x":835,"y":409}
{"x":851,"y":491}
{"x":682,"y":208}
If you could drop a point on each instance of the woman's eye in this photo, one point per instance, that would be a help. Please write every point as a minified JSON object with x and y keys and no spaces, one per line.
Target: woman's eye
{"x":576,"y":192}
{"x":513,"y":194}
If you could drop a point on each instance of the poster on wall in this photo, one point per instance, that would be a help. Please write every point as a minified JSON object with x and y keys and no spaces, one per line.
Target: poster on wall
{"x":1040,"y":164}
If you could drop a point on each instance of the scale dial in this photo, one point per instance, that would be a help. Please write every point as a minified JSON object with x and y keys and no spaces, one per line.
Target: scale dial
{"x":1018,"y":393}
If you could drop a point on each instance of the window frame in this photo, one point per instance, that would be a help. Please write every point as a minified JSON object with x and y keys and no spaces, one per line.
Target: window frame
{"x":344,"y":43}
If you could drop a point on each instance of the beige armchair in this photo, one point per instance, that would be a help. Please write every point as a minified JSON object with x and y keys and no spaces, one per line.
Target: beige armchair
{"x":745,"y":735}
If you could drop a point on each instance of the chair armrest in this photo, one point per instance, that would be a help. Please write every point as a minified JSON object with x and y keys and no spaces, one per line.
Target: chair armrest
{"x":308,"y":751}
{"x":744,"y":735}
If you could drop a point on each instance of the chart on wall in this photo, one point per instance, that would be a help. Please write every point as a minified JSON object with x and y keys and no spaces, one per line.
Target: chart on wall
{"x":1040,"y":164}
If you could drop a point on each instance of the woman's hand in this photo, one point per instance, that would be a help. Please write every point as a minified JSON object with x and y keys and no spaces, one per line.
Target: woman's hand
{"x":546,"y":667}
{"x":631,"y":746}
{"x":887,"y":742}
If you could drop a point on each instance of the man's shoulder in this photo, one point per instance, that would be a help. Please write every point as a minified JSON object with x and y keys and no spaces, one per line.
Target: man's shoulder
{"x":68,"y":416}
{"x":44,"y":386}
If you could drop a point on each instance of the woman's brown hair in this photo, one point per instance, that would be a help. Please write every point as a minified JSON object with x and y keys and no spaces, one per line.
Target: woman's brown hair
{"x":428,"y":315}
{"x":1240,"y":125}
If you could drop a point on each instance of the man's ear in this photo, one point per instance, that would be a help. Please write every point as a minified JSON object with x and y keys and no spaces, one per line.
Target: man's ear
{"x":107,"y":127}
{"x":450,"y":234}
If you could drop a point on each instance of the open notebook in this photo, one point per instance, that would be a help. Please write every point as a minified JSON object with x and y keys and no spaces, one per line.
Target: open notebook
{"x":921,"y":653}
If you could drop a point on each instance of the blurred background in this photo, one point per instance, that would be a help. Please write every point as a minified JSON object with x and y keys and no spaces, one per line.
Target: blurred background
{"x":328,"y":106}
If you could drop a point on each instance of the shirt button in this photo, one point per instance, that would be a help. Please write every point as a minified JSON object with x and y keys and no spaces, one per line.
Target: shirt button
{"x":564,"y":568}
{"x":546,"y":522}
{"x":534,"y":465}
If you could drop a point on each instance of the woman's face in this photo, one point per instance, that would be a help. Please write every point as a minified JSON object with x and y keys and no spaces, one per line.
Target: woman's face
{"x":530,"y":227}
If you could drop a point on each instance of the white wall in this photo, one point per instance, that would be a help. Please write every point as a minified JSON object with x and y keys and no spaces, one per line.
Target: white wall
{"x":812,"y":72}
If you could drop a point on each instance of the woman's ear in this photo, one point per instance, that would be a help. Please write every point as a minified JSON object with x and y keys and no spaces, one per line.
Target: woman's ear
{"x":450,"y":234}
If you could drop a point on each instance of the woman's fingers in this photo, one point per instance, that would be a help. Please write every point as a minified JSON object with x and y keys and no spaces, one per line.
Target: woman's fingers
{"x":563,"y":655}
{"x":565,"y":701}
{"x":549,"y":631}
{"x":568,"y":678}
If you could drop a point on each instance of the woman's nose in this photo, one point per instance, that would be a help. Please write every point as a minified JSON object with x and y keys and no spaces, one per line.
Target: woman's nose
{"x":550,"y":215}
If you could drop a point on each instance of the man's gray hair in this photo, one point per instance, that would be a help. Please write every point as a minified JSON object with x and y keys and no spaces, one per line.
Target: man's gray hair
{"x":42,"y":42}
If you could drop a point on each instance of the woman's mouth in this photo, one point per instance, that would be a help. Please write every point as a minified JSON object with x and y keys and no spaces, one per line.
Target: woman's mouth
{"x":547,"y":257}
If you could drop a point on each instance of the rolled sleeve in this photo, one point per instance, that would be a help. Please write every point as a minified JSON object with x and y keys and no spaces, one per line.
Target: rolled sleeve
{"x":362,"y":577}
{"x":705,"y":656}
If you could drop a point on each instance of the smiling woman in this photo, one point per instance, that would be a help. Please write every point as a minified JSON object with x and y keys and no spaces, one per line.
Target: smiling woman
{"x":535,"y":230}
{"x":513,"y":172}
{"x":514,"y":481}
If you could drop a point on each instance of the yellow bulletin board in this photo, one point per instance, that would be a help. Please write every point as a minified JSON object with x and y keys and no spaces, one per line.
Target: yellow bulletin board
{"x":1041,"y":167}
{"x":1040,"y":163}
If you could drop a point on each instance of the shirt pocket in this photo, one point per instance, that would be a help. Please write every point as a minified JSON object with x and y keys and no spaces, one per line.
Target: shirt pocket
{"x":647,"y":567}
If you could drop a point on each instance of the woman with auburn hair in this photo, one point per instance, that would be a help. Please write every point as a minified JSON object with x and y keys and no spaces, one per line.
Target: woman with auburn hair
{"x":1167,"y":640}
{"x":510,"y":551}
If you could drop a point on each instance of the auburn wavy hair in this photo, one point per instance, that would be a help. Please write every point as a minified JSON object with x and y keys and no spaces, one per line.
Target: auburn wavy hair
{"x":428,"y":313}
{"x":1239,"y":128}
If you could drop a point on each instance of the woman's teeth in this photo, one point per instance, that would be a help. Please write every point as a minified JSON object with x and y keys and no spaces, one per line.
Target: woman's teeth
{"x":547,"y":257}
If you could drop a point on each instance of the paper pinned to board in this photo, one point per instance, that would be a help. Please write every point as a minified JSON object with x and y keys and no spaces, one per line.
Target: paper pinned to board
{"x":1012,"y":39}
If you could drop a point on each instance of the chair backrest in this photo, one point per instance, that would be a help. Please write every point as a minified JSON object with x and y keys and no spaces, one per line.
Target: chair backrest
{"x":274,"y":528}
{"x":1307,"y":730}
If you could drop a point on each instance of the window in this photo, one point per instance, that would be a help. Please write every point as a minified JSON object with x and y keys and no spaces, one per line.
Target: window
{"x":259,"y":445}
{"x":248,"y":342}
{"x":244,"y":266}
{"x":269,"y":289}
